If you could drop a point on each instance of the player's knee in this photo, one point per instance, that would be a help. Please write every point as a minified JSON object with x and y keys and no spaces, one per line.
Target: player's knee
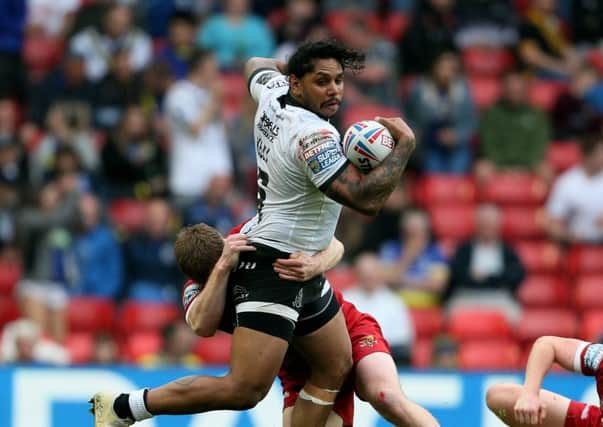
{"x":498,"y":394}
{"x":342,"y":368}
{"x":248,"y":394}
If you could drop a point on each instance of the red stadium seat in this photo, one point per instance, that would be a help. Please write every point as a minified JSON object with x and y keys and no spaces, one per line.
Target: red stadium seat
{"x":544,"y":93}
{"x":453,"y":221}
{"x":89,"y":314}
{"x":128,"y":214}
{"x":537,"y":322}
{"x":139,"y":345}
{"x":422,"y":352}
{"x":358,"y":113}
{"x":395,"y":26}
{"x":215,"y":350}
{"x":544,"y":291}
{"x":585,"y":259}
{"x":489,"y":355}
{"x":146,"y":316}
{"x":485,"y":91}
{"x":342,"y":278}
{"x":486,"y":61}
{"x":523,"y":223}
{"x":592,"y":325}
{"x":235,"y":92}
{"x":563,"y":155}
{"x":10,"y":273}
{"x":80,"y":347}
{"x":434,"y":189}
{"x":474,"y":324}
{"x":9,"y":310}
{"x":588,"y":293}
{"x":539,"y":257}
{"x":41,"y":53}
{"x":337,"y":21}
{"x":514,"y":188}
{"x":427,"y":321}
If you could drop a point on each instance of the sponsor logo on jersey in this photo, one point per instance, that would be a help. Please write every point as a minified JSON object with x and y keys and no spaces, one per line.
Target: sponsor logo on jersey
{"x":277,"y":83}
{"x":239,"y":293}
{"x":324,"y":160}
{"x":367,"y":341}
{"x":297,"y":302}
{"x":316,"y":139}
{"x":267,"y":127}
{"x":265,"y":78}
{"x":190,"y":292}
{"x":593,"y":357}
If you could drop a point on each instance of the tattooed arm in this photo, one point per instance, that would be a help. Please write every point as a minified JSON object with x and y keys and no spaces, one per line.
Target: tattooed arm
{"x":368,"y":193}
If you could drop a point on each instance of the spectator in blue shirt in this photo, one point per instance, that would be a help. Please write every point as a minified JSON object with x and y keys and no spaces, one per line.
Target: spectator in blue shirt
{"x":97,"y":253}
{"x":151,"y":270}
{"x":236,"y":35}
{"x":180,"y":47}
{"x":416,"y":264}
{"x":12,"y":26}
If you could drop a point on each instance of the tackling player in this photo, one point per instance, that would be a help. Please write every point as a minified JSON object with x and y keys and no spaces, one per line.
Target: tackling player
{"x":374,"y":378}
{"x":523,"y":405}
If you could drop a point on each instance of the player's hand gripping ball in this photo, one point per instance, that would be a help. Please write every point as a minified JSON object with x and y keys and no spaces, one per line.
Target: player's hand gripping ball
{"x":366,"y":144}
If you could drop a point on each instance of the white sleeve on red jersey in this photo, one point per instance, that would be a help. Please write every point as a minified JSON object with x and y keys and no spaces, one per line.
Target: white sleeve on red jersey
{"x":588,"y":358}
{"x":191,"y":291}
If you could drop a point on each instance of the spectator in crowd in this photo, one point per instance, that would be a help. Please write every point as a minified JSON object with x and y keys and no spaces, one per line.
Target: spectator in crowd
{"x":442,"y":113}
{"x":513,"y":135}
{"x":236,"y":35}
{"x":133,"y":161}
{"x":180,"y":46}
{"x":300,"y":17}
{"x":371,"y":295}
{"x":574,"y":209}
{"x":178,"y":347}
{"x":52,"y":17}
{"x":486,"y":23}
{"x":157,"y":80}
{"x":44,"y":233}
{"x":67,"y":84}
{"x":543,"y":48}
{"x":378,"y":80}
{"x":105,"y":350}
{"x":67,"y":125}
{"x":13,"y":172}
{"x":585,"y":19}
{"x":415,"y":264}
{"x":118,"y":89}
{"x":118,"y":34}
{"x":68,"y":165}
{"x":199,"y":147}
{"x":23,"y":343}
{"x":430,"y":34}
{"x":579,"y":109}
{"x":12,"y":27}
{"x":485,"y":271}
{"x":384,"y":226}
{"x":215,"y":207}
{"x":151,"y":270}
{"x":97,"y":253}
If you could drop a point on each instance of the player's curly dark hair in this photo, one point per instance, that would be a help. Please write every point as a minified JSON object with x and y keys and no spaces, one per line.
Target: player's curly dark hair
{"x":302,"y":61}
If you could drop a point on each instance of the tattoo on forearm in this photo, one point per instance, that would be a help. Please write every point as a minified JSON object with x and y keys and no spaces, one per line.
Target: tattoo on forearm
{"x":374,"y":188}
{"x":186,"y":381}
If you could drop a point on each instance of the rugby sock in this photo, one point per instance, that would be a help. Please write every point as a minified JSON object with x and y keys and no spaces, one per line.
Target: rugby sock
{"x":121,"y":406}
{"x":132,"y":406}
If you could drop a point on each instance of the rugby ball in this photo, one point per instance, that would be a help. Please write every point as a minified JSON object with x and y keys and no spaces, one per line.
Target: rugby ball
{"x":366,"y":144}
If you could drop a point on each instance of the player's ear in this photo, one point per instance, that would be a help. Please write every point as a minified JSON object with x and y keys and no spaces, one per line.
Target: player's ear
{"x":294,"y":85}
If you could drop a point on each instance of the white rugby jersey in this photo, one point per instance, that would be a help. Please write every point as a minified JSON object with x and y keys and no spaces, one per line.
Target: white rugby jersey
{"x":297,"y":153}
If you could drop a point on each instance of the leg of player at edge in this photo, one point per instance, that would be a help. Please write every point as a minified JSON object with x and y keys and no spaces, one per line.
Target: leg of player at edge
{"x":501,"y":399}
{"x":378,"y":383}
{"x":322,"y":349}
